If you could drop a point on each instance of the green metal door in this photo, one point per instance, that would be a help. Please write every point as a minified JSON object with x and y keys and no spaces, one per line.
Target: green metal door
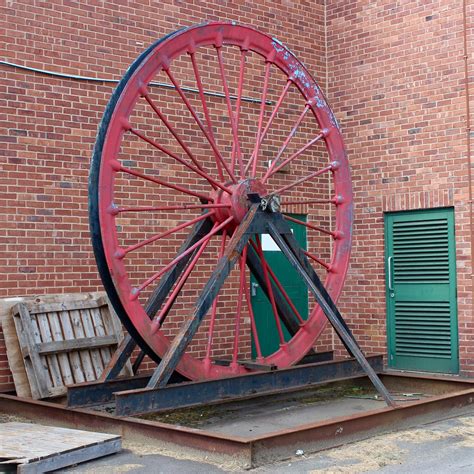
{"x":420,"y":268}
{"x":291,"y":282}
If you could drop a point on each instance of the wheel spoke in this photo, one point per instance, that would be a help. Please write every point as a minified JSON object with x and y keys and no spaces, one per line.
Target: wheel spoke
{"x":202,"y":96}
{"x":117,"y":210}
{"x":305,"y":178}
{"x":136,"y":291}
{"x":317,"y":260}
{"x":237,"y":113}
{"x":200,"y":124}
{"x":285,"y":294}
{"x":287,"y":141}
{"x":311,"y":226}
{"x":270,"y":120}
{"x":198,"y":171}
{"x":120,"y":253}
{"x":118,"y":167}
{"x":334,"y":200}
{"x":207,"y":359}
{"x":168,"y":280}
{"x":275,"y":168}
{"x":158,"y":321}
{"x":238,"y":315}
{"x":235,"y":134}
{"x":271,"y":296}
{"x":145,"y":93}
{"x":260,"y":118}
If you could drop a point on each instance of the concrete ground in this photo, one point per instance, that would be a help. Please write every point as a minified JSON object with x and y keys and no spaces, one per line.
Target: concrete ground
{"x":258,"y":419}
{"x":442,"y":447}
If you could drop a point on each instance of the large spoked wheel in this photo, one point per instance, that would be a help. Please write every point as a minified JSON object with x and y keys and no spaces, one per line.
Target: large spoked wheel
{"x":203,"y":118}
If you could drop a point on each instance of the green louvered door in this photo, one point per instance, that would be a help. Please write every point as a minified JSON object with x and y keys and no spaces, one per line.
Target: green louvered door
{"x":421,"y":291}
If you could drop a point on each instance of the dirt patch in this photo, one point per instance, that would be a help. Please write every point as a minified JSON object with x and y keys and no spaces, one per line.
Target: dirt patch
{"x":464,"y":431}
{"x":182,"y":453}
{"x":364,"y":456}
{"x":196,"y":417}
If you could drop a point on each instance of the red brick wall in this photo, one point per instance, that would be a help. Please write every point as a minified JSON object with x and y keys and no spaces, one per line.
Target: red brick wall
{"x":396,"y":82}
{"x":48,"y":125}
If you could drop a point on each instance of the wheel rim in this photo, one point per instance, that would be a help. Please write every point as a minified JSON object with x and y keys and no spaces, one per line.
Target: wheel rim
{"x":234,"y":172}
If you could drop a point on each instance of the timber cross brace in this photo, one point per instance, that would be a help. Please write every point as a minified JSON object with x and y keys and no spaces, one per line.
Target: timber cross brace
{"x":236,"y":196}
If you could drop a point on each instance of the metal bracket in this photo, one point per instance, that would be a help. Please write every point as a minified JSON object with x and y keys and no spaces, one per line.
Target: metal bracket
{"x":271,"y":203}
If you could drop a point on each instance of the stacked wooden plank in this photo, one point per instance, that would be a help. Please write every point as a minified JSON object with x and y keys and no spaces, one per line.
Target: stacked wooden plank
{"x":64,"y":342}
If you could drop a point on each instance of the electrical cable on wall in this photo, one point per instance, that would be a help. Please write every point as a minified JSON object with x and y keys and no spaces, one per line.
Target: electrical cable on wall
{"x":164,"y":85}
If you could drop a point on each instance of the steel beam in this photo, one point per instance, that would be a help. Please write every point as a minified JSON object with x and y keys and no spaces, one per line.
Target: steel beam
{"x":298,"y":260}
{"x":154,"y":303}
{"x":184,"y":336}
{"x":313,"y":437}
{"x":313,"y":357}
{"x":101,"y":392}
{"x":251,"y":385}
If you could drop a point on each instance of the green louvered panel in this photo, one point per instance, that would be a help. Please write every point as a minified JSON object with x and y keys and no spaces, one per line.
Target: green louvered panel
{"x":421,"y":251}
{"x":421,"y":300}
{"x":422,"y":328}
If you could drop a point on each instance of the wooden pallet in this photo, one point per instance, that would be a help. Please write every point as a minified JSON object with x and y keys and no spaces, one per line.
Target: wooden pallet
{"x":14,"y":355}
{"x":32,"y":448}
{"x":63,"y":343}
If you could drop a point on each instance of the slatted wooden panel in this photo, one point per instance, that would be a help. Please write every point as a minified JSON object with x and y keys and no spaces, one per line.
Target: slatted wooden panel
{"x":33,"y":448}
{"x":63,"y":343}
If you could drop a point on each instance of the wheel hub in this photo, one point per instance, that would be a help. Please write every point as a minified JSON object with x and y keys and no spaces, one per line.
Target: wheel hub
{"x":238,"y":201}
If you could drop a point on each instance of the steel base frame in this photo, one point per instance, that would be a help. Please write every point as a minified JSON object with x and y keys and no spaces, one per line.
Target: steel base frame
{"x":452,"y":397}
{"x":148,"y":394}
{"x":259,"y":219}
{"x":131,"y":396}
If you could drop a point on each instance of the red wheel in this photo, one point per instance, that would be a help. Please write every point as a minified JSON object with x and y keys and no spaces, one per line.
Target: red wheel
{"x":203,"y":117}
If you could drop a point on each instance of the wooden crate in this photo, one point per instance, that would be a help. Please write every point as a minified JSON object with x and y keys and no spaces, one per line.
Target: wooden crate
{"x":63,"y":343}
